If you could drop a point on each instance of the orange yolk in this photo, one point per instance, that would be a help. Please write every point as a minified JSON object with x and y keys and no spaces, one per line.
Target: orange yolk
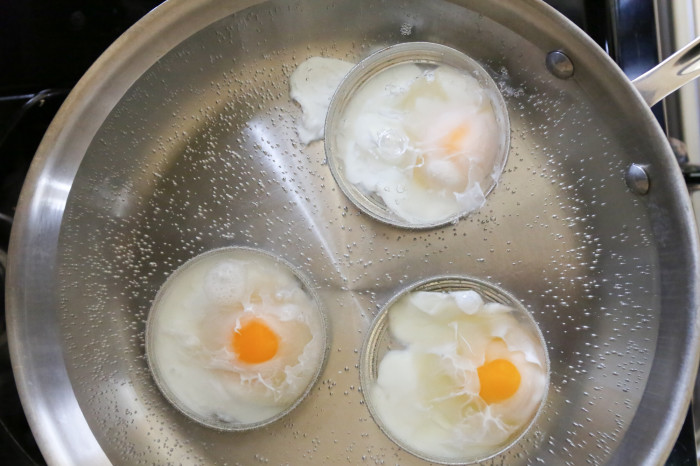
{"x":452,"y":143}
{"x":254,"y":342}
{"x":499,"y":380}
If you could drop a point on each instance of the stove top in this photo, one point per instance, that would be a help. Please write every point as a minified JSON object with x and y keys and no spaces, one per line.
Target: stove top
{"x":47,"y":45}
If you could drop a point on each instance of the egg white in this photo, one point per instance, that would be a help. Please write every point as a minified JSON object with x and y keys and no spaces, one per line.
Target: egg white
{"x":190,"y":330}
{"x":425,"y":140}
{"x":426,"y":394}
{"x":312,"y":85}
{"x":391,"y":141}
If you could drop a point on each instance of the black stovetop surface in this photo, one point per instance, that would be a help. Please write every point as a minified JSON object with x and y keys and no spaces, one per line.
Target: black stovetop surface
{"x":47,"y":45}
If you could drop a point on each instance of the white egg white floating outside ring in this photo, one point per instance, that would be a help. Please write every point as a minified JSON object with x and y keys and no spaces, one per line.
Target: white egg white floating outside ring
{"x":312,"y":85}
{"x":192,"y":317}
{"x":380,"y":343}
{"x":366,"y":138}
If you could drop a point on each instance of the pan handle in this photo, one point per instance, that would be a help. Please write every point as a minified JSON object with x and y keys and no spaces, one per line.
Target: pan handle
{"x":669,"y":75}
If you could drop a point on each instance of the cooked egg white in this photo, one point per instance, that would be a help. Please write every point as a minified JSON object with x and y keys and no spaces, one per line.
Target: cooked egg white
{"x":424,"y":139}
{"x":233,"y":338}
{"x":312,"y":85}
{"x":469,"y":378}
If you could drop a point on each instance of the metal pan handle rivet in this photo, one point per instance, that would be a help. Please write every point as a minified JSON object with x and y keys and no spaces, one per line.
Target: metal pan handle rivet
{"x":559,"y":64}
{"x":637,"y":179}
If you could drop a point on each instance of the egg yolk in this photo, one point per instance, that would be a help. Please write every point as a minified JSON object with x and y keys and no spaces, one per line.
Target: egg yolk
{"x":499,"y":380}
{"x":454,"y":140}
{"x":254,"y":342}
{"x":442,"y":167}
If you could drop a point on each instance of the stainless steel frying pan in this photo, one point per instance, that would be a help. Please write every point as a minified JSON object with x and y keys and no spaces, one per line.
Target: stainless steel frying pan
{"x":181,"y":138}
